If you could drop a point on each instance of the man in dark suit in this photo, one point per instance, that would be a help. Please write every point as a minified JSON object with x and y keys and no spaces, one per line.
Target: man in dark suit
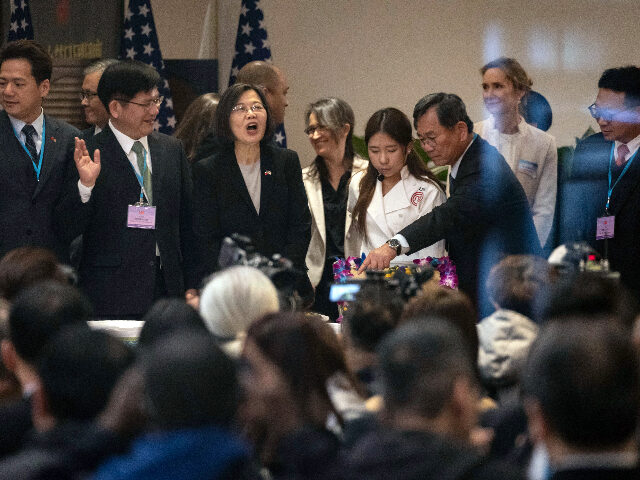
{"x":581,"y":389}
{"x":128,"y":262}
{"x":606,"y":161}
{"x":36,"y":155}
{"x":94,"y":112}
{"x":486,"y":216}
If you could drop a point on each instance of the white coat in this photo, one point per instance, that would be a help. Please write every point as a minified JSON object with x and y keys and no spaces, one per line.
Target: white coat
{"x":408,"y":200}
{"x":316,"y":254}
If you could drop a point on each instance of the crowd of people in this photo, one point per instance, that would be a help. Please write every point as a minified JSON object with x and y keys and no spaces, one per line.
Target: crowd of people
{"x":528,"y":370}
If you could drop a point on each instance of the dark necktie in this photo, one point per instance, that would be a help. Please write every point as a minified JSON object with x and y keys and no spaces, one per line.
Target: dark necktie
{"x":29,"y":132}
{"x":452,"y":184}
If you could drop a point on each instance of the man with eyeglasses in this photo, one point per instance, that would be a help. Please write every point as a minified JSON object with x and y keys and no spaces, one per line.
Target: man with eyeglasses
{"x":138,"y":239}
{"x":486,"y":216}
{"x":600,"y":201}
{"x":36,"y":155}
{"x":94,"y":112}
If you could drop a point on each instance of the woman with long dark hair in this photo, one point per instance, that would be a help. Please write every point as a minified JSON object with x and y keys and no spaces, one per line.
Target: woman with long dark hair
{"x":395,"y":189}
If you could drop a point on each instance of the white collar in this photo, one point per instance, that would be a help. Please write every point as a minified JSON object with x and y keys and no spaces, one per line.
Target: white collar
{"x":37,"y":124}
{"x":632,"y":145}
{"x":127,"y":142}
{"x":455,"y":166}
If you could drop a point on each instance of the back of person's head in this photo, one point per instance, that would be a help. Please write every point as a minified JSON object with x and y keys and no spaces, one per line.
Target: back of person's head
{"x":78,"y":369}
{"x":625,"y":80}
{"x":515,"y":282}
{"x":40,"y":312}
{"x":189,"y":382}
{"x":197,"y":123}
{"x":586,"y":295}
{"x":32,"y":52}
{"x":585,"y":377}
{"x":24,"y":266}
{"x":167,"y":316}
{"x":307,"y":352}
{"x":235,"y":297}
{"x":125,"y":79}
{"x":260,"y":73}
{"x":419,"y":365}
{"x":435,"y":301}
{"x":449,"y":108}
{"x":374,"y":313}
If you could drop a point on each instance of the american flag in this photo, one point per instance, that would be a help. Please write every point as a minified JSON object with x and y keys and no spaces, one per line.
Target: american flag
{"x":140,"y":42}
{"x":20,"y":25}
{"x":252,"y":44}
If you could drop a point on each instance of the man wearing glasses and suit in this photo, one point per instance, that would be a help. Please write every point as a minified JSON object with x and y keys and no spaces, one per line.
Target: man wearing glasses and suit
{"x":600,"y":201}
{"x":138,"y":240}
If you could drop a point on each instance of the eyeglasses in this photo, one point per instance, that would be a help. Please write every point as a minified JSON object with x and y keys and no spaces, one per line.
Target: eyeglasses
{"x":156,"y":102}
{"x":243,"y":109}
{"x":430,"y":141}
{"x":311,"y":129}
{"x":606,"y":114}
{"x":87,"y":95}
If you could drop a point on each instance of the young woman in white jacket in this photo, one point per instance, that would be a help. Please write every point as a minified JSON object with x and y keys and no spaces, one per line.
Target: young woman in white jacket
{"x":395,"y":189}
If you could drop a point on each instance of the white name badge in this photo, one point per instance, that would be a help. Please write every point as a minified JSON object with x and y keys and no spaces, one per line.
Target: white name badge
{"x":140,"y":216}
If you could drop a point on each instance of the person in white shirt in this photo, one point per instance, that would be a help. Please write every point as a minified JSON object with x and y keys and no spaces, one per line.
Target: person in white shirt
{"x":329,"y":126}
{"x":396,"y":188}
{"x":530,"y":152}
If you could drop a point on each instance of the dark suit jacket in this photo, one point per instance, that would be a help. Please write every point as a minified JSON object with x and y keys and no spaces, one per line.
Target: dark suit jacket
{"x":485,"y":218}
{"x":222,"y":205}
{"x":597,"y":474}
{"x":29,"y":213}
{"x":583,"y":198}
{"x":117,"y":267}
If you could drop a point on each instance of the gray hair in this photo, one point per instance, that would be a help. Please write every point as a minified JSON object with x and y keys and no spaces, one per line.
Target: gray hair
{"x":99,"y":66}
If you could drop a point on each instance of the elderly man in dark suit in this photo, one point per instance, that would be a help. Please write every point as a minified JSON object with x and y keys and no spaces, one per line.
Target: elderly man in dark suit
{"x":138,"y":241}
{"x":36,"y":155}
{"x":486,"y":216}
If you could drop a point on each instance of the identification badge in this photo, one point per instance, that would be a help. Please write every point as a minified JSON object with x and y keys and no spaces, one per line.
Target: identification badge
{"x":529,"y":168}
{"x":141,"y":216}
{"x":605,"y":227}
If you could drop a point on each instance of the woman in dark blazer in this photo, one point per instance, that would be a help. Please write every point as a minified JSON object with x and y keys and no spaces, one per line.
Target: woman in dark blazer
{"x":249,"y":186}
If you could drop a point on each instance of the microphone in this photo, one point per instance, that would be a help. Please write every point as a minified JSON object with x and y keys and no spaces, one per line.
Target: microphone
{"x":380,"y":177}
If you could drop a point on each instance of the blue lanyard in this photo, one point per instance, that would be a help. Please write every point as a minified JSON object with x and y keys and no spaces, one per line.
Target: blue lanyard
{"x":626,"y":167}
{"x":38,"y":167}
{"x":140,"y":177}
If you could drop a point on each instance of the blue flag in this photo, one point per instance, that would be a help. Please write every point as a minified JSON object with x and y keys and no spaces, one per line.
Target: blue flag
{"x":252,"y":44}
{"x":20,"y":26}
{"x":140,"y":42}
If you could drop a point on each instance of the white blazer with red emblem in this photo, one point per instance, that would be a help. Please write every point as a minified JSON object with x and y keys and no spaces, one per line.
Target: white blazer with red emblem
{"x":408,"y":200}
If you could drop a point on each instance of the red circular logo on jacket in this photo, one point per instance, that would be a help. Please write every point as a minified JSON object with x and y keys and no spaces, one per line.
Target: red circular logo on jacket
{"x":416,"y":198}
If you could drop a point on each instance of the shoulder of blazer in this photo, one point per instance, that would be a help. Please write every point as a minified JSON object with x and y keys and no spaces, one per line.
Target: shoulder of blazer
{"x":58,"y":126}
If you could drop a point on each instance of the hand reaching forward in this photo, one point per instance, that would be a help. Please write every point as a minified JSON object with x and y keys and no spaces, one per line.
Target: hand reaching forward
{"x":378,"y":259}
{"x":88,"y":169}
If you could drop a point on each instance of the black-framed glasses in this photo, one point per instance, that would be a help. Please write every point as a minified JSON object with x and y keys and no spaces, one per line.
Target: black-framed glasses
{"x":87,"y":95}
{"x":156,"y":102}
{"x":606,"y":114}
{"x":243,"y":109}
{"x":311,"y":129}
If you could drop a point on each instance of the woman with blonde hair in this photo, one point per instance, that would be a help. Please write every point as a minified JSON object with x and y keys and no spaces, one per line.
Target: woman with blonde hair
{"x":530,"y":152}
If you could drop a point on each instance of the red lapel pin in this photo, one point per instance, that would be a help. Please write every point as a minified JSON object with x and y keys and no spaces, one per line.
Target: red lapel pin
{"x":267,"y":172}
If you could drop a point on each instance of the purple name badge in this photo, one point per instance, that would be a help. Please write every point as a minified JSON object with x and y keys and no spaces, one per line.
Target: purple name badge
{"x":605,"y":227}
{"x":141,"y":217}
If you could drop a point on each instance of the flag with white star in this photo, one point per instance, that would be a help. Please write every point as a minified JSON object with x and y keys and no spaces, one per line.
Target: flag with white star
{"x":20,"y":26}
{"x":252,"y":44}
{"x":140,"y":42}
